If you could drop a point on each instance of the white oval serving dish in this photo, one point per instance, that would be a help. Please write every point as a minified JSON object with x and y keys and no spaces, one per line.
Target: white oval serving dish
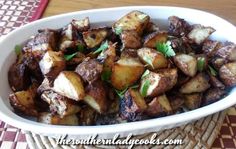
{"x":224,"y":31}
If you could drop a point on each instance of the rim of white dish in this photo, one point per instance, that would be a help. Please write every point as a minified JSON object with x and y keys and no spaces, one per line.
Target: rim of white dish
{"x":37,"y":127}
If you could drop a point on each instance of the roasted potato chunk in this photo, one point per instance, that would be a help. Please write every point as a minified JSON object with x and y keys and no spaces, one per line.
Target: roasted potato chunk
{"x":197,"y":84}
{"x":151,"y":27}
{"x":212,"y":95}
{"x":186,"y":63}
{"x":176,"y":101}
{"x":18,"y":77}
{"x":200,"y":33}
{"x":69,"y":84}
{"x":158,"y":82}
{"x":90,"y":70}
{"x":134,"y":20}
{"x":128,"y":53}
{"x":228,"y":74}
{"x":23,"y":101}
{"x":227,"y":52}
{"x":210,"y":47}
{"x":131,"y":39}
{"x":126,"y":72}
{"x":60,"y":104}
{"x":178,"y":27}
{"x":94,"y":37}
{"x":193,"y":101}
{"x":96,"y":96}
{"x":152,"y":58}
{"x":152,"y":39}
{"x":160,"y":105}
{"x":132,"y":105}
{"x":49,"y":118}
{"x":81,"y":25}
{"x":44,"y":41}
{"x":45,"y":85}
{"x":52,"y":64}
{"x":87,"y":116}
{"x":215,"y":82}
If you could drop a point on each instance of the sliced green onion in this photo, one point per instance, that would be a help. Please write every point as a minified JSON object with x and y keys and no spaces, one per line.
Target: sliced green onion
{"x":144,"y":88}
{"x":200,"y":64}
{"x":103,"y":47}
{"x":69,"y":57}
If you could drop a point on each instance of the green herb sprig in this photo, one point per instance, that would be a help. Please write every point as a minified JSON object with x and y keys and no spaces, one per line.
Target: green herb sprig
{"x":103,"y":47}
{"x":201,"y":63}
{"x":165,"y":48}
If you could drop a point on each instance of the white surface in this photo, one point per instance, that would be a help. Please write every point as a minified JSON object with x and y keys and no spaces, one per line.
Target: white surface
{"x":224,"y":31}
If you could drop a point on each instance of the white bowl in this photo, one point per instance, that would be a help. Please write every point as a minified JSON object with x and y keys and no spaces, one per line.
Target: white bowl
{"x":224,"y":31}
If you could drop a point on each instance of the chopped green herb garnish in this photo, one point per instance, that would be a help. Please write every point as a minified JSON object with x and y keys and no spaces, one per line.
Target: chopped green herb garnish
{"x":70,"y":56}
{"x":144,"y":88}
{"x":103,"y":47}
{"x":121,"y":93}
{"x":200,"y":63}
{"x":148,"y":60}
{"x":145,"y":73}
{"x":165,"y":48}
{"x":106,"y":75}
{"x":118,"y":30}
{"x":212,"y":70}
{"x":134,"y":86}
{"x":80,"y":47}
{"x":18,"y":49}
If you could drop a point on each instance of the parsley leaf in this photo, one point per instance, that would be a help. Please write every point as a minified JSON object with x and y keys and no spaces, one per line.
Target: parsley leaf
{"x":145,"y":87}
{"x":118,"y":30}
{"x":134,"y":86}
{"x":103,"y":47}
{"x":165,"y":48}
{"x":80,"y":47}
{"x":212,"y":70}
{"x":106,"y":75}
{"x":200,"y":63}
{"x":148,"y":60}
{"x":145,"y":73}
{"x":121,"y":93}
{"x":70,"y":56}
{"x":18,"y":49}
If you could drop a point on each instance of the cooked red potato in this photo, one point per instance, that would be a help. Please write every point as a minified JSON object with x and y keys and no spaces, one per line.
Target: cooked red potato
{"x":130,"y":71}
{"x":131,"y":39}
{"x":52,"y":64}
{"x":158,"y":106}
{"x":152,"y":58}
{"x":134,"y":20}
{"x":131,"y":105}
{"x":178,"y":27}
{"x":18,"y":77}
{"x":90,"y":70}
{"x":186,"y":63}
{"x":216,"y":82}
{"x":212,"y":95}
{"x":126,"y":72}
{"x":49,"y":118}
{"x":151,"y":27}
{"x":193,"y":101}
{"x":44,"y":86}
{"x":176,"y":102}
{"x":227,"y":52}
{"x":24,"y":102}
{"x":69,"y":84}
{"x":154,"y":84}
{"x":210,"y":47}
{"x":197,"y":84}
{"x":152,"y":39}
{"x":87,"y":116}
{"x":81,"y":25}
{"x":228,"y":74}
{"x":200,"y":33}
{"x":59,"y":104}
{"x":42,"y":42}
{"x":94,"y":37}
{"x":96,"y":96}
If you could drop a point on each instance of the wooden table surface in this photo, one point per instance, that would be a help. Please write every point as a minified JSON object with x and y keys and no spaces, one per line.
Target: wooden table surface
{"x":223,"y":8}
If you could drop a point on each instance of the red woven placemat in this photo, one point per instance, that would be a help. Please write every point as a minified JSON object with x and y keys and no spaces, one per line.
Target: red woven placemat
{"x":14,"y":13}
